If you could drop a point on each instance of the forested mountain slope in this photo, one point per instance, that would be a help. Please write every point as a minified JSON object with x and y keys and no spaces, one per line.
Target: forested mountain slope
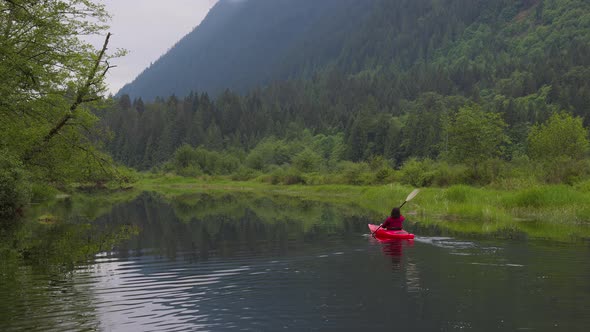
{"x":241,"y":44}
{"x":390,"y":84}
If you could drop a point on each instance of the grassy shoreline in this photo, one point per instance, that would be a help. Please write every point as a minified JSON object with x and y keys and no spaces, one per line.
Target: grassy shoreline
{"x":555,"y":212}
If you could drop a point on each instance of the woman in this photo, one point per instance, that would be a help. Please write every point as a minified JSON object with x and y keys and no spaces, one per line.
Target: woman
{"x":394,"y":221}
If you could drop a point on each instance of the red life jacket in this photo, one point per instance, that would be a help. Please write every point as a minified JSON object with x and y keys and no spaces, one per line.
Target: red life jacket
{"x":393,"y":222}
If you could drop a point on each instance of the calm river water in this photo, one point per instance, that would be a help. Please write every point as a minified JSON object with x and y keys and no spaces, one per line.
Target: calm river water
{"x":239,"y":262}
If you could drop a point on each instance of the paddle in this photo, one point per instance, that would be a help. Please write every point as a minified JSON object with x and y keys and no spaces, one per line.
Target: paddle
{"x":409,"y":198}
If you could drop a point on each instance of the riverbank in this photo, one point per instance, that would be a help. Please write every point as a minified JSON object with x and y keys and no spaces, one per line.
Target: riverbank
{"x":555,"y":212}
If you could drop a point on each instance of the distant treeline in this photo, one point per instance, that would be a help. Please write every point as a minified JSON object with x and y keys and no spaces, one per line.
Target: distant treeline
{"x":437,"y":140}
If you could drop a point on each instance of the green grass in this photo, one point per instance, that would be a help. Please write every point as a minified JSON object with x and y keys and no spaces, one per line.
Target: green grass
{"x":556,"y":212}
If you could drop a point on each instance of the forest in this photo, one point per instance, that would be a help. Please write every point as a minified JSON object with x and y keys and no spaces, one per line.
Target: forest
{"x":426,"y":93}
{"x":462,"y":92}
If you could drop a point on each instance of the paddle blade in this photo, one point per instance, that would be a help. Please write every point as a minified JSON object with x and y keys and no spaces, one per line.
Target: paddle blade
{"x":412,"y":194}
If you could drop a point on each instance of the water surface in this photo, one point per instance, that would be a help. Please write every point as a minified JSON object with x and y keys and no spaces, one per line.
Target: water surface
{"x":241,"y":262}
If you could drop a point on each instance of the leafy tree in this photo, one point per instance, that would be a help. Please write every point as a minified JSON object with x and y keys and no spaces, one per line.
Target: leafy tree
{"x":49,"y":78}
{"x":475,"y":136}
{"x":418,"y":173}
{"x":307,"y":161}
{"x":563,"y":135}
{"x":269,"y":152}
{"x":184,"y":156}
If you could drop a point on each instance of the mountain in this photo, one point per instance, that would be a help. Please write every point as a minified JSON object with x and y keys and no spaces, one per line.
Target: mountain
{"x":244,"y":43}
{"x":384,"y":74}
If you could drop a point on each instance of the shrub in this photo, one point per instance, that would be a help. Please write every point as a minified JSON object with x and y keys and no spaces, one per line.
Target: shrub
{"x":244,"y":174}
{"x":307,"y":161}
{"x":384,"y":175}
{"x":475,"y":136}
{"x":520,"y":173}
{"x":565,"y":170}
{"x":288,"y":176}
{"x":226,"y":164}
{"x":293,"y":177}
{"x":418,"y":173}
{"x":190,"y":171}
{"x":127,"y":175}
{"x":562,"y":135}
{"x":490,"y":171}
{"x":184,"y":156}
{"x":376,"y":163}
{"x":194,"y":162}
{"x":353,"y":173}
{"x":255,"y":160}
{"x":318,"y":179}
{"x":447,"y":175}
{"x":270,"y":152}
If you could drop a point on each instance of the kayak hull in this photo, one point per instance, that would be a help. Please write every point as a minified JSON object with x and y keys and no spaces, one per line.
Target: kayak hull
{"x":387,"y":234}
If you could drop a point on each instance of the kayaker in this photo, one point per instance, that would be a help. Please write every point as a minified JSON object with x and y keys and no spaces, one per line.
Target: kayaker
{"x":394,"y":221}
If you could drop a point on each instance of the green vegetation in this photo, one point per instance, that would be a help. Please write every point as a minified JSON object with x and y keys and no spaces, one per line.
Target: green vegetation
{"x":51,"y":82}
{"x":391,"y":85}
{"x":475,"y":147}
{"x":484,"y":103}
{"x":485,"y":93}
{"x":60,"y":233}
{"x":475,"y":136}
{"x":556,"y":212}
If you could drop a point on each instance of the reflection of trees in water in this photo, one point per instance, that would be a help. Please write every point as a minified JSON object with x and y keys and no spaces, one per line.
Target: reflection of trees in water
{"x":36,"y":273}
{"x":192,"y":227}
{"x":60,"y":246}
{"x":42,"y":300}
{"x":38,"y":262}
{"x":225,"y":224}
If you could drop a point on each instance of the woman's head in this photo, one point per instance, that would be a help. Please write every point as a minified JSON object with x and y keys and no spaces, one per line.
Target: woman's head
{"x":395,"y":212}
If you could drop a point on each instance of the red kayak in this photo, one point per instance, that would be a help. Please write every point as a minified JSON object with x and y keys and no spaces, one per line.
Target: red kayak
{"x":387,"y":234}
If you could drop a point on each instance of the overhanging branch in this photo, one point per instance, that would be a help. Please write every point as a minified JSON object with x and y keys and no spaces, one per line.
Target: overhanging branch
{"x":81,"y":97}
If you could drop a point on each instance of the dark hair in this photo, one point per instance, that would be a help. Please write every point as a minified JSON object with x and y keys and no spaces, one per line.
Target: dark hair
{"x":395,"y":212}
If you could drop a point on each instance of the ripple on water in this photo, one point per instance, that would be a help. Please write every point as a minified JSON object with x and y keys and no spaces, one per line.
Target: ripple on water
{"x":323,"y":288}
{"x":152,"y":293}
{"x":445,"y":242}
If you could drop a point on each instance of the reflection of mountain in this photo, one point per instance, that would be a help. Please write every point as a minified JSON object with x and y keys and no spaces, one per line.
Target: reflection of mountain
{"x":201,"y":224}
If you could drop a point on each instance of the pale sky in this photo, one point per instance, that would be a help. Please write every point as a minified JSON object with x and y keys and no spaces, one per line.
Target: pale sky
{"x":147,"y":29}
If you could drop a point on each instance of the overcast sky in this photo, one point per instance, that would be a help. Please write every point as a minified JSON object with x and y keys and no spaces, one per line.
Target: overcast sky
{"x":147,"y":29}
